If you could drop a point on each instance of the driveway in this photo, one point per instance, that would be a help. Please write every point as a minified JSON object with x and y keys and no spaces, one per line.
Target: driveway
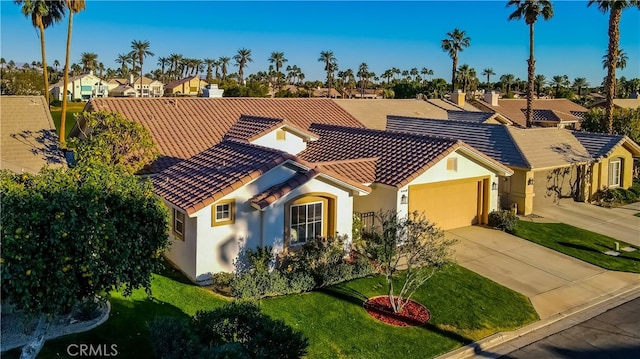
{"x":619,"y":223}
{"x":554,"y":282}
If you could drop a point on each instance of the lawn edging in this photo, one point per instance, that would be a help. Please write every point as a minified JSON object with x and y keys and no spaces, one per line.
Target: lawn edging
{"x":545,"y":327}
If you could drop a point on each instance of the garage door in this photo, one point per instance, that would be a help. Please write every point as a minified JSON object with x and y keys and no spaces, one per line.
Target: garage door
{"x":450,"y":204}
{"x":549,"y":186}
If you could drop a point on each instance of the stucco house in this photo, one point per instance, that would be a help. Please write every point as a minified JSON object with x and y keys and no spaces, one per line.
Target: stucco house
{"x":188,"y":86}
{"x":548,"y":163}
{"x":81,"y":87}
{"x":28,"y":135}
{"x":631,"y":103}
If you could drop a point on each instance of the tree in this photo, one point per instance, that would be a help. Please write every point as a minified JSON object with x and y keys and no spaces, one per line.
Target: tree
{"x":409,"y":248}
{"x":580,"y":83}
{"x":224,"y":62}
{"x":89,"y":61}
{"x":140,"y":51}
{"x":559,"y":81}
{"x":488,"y":73}
{"x":540,"y":81}
{"x":530,"y":10}
{"x":210,"y":64}
{"x":74,"y":6}
{"x":71,"y":234}
{"x":330,"y":66}
{"x":242,"y":58}
{"x":507,"y":80}
{"x":363,"y":74}
{"x":625,"y":122}
{"x":614,"y":7}
{"x":277,"y":59}
{"x":112,"y":139}
{"x":467,"y":75}
{"x":43,"y":14}
{"x":455,"y":42}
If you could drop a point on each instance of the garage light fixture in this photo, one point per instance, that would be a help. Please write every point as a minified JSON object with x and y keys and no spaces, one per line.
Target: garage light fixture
{"x":403,"y":199}
{"x":530,"y":181}
{"x":494,"y":186}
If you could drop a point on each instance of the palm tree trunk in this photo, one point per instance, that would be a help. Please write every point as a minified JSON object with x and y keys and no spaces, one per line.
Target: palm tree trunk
{"x":141,"y":77}
{"x":614,"y":37}
{"x":45,"y":72}
{"x":532,"y":70}
{"x":63,"y":114}
{"x":453,"y":73}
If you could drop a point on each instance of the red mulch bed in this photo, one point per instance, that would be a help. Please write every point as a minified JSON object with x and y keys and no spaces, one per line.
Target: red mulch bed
{"x":412,"y":314}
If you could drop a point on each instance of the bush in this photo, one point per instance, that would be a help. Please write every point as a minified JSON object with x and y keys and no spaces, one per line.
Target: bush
{"x":259,"y":284}
{"x":87,"y":309}
{"x":172,"y":338}
{"x":503,"y":220}
{"x":612,"y":197}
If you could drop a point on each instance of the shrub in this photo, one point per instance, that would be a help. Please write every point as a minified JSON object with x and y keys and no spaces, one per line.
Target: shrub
{"x":635,"y":188}
{"x":503,"y":220}
{"x":259,"y":284}
{"x":172,"y":338}
{"x":87,"y":309}
{"x":612,"y":197}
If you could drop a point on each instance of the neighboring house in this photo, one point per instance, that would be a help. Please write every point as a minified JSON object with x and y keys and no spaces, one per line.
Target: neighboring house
{"x":82,"y":87}
{"x":548,"y":163}
{"x":149,"y":87}
{"x":631,"y":103}
{"x":28,"y":135}
{"x":322,"y":92}
{"x":188,"y":86}
{"x":561,"y":113}
{"x":364,"y":94}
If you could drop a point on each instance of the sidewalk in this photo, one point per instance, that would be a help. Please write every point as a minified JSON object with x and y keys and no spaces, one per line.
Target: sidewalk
{"x":503,"y":343}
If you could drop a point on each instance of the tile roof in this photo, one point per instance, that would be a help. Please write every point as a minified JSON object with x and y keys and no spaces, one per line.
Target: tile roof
{"x":179,"y":82}
{"x":28,"y":135}
{"x":361,"y":170}
{"x":514,"y":109}
{"x":619,"y":102}
{"x":373,"y":113}
{"x":402,"y":156}
{"x":271,"y":195}
{"x":547,"y":147}
{"x":250,"y":128}
{"x":553,"y":116}
{"x":470,"y":116}
{"x":184,"y":127}
{"x":491,"y":139}
{"x":601,"y":145}
{"x":210,"y":175}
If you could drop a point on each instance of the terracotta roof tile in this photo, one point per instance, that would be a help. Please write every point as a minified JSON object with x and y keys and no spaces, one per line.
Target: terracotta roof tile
{"x":402,"y":156}
{"x":362,"y":170}
{"x":184,"y":127}
{"x":205,"y":178}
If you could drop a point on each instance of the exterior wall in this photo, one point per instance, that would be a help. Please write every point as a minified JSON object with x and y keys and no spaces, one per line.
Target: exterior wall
{"x":291,"y":144}
{"x":600,"y":171}
{"x":551,"y":185}
{"x":466,"y":168}
{"x":83,"y":88}
{"x":182,"y":253}
{"x":516,"y":189}
{"x":218,"y":247}
{"x":382,"y":197}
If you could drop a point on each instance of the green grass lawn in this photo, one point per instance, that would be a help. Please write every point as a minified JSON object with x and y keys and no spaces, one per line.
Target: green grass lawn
{"x":579,"y":243}
{"x":464,"y":307}
{"x":72,"y":109}
{"x":637,"y":214}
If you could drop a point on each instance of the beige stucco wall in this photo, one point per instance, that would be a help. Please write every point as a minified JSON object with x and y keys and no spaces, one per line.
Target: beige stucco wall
{"x":292,"y":143}
{"x":515,"y":189}
{"x":600,"y":171}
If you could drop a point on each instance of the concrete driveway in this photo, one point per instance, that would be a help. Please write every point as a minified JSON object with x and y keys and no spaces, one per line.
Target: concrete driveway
{"x":619,"y":223}
{"x":554,"y":282}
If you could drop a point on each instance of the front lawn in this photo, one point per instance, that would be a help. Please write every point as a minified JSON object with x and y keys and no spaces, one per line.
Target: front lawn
{"x":464,"y":307}
{"x":73,"y":108}
{"x":579,"y":243}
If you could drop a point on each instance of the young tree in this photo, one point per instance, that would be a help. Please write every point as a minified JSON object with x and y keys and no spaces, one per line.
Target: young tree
{"x":455,"y":42}
{"x":112,"y":139}
{"x":71,"y":234}
{"x":409,"y":248}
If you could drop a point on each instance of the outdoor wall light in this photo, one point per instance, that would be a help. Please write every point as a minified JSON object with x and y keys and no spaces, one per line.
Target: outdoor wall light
{"x":403,"y":199}
{"x":530,"y":182}
{"x":494,"y":186}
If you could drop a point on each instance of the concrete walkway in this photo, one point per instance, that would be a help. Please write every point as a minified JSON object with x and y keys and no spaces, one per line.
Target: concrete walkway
{"x":554,"y":282}
{"x":619,"y":223}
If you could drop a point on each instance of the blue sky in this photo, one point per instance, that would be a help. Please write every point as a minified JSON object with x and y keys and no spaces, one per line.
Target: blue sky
{"x":382,"y":34}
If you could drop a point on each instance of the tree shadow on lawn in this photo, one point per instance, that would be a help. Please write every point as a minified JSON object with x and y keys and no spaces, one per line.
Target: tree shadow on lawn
{"x":355,"y":297}
{"x":579,"y":247}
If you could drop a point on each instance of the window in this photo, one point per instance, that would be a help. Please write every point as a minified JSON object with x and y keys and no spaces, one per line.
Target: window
{"x":452,"y":164}
{"x":281,"y":135}
{"x":615,"y":167}
{"x":306,"y":222}
{"x":223,"y":213}
{"x":178,"y":224}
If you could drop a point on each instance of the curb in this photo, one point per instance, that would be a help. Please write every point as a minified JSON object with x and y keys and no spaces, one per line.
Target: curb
{"x":481,"y":346}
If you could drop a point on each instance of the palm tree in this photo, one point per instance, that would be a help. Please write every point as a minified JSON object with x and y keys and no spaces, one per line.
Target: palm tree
{"x":174,"y":60}
{"x":488,"y":72}
{"x":530,"y":10}
{"x":74,"y":6}
{"x":224,"y":62}
{"x":210,"y":63}
{"x":43,"y":14}
{"x":559,"y":81}
{"x":141,"y":50}
{"x":455,"y":42}
{"x":363,"y":74}
{"x":579,"y":83}
{"x":414,"y":72}
{"x":330,"y":66}
{"x":539,"y":81}
{"x":242,"y":58}
{"x":466,"y":76}
{"x":89,"y":61}
{"x":622,"y":60}
{"x":507,"y":80}
{"x":277,"y":59}
{"x":614,"y":7}
{"x":123,"y":60}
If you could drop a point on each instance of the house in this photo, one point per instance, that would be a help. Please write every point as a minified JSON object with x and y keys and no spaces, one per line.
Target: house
{"x":364,"y":93}
{"x":548,"y":163}
{"x":29,"y":139}
{"x":323,"y":91}
{"x":149,"y":87}
{"x":631,"y":103}
{"x":188,"y":86}
{"x":561,"y":113}
{"x":81,"y":87}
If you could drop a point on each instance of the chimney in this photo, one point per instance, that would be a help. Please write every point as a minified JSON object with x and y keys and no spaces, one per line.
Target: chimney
{"x":491,"y":98}
{"x":131,"y":79}
{"x":457,"y":97}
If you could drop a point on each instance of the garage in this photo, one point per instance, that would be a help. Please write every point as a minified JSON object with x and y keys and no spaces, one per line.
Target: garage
{"x":452,"y":204}
{"x":550,"y":185}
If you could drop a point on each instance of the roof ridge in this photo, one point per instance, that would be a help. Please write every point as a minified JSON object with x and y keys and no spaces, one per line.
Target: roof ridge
{"x":244,"y":116}
{"x":350,"y":160}
{"x":382,"y":132}
{"x":447,"y":121}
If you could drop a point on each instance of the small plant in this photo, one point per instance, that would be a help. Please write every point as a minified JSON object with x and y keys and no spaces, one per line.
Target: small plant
{"x":172,"y":338}
{"x":86,"y":310}
{"x":221,"y":282}
{"x":503,"y":220}
{"x":612,"y":197}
